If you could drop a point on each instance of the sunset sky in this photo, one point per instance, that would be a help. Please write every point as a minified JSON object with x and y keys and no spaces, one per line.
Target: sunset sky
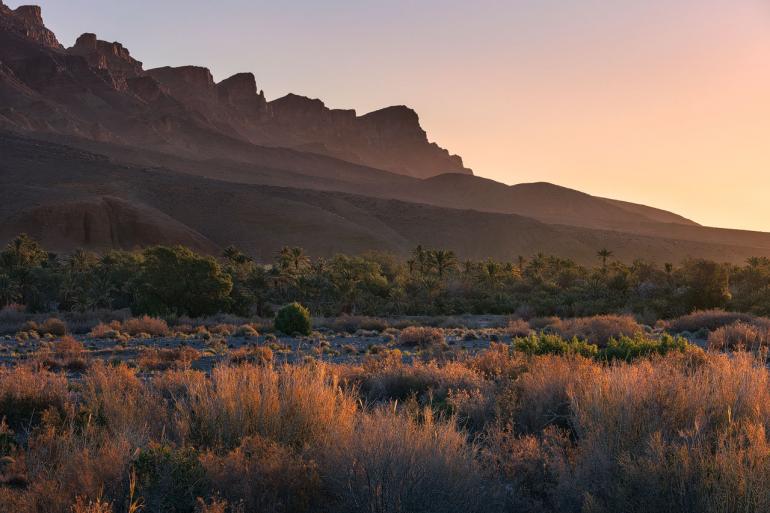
{"x":661,"y":102}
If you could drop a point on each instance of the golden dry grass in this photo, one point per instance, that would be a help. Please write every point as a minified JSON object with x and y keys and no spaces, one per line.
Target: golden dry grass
{"x":494,"y":432}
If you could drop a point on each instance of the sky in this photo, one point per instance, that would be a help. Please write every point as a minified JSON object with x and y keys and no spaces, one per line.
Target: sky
{"x":661,"y":102}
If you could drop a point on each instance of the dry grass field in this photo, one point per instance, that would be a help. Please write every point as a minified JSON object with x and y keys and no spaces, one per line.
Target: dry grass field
{"x":466,"y":414}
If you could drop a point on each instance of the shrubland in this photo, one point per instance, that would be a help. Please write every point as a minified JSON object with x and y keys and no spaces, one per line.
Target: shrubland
{"x":176,"y":282}
{"x":575,"y":400}
{"x":501,"y":430}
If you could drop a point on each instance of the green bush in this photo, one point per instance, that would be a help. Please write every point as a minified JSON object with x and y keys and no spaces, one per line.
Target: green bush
{"x":293,"y":318}
{"x":631,"y":348}
{"x":544,"y":343}
{"x":170,"y":479}
{"x":623,"y":348}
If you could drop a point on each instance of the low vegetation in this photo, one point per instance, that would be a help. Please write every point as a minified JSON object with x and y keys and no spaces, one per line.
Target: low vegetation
{"x":176,"y":282}
{"x":293,"y":318}
{"x":619,"y":388}
{"x":507,"y":429}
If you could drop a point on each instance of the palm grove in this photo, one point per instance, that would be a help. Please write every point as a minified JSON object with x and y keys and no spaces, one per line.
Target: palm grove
{"x":175,"y":281}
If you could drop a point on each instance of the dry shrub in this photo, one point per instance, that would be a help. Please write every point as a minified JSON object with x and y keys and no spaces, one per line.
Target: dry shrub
{"x":216,"y":505}
{"x":53,"y":326}
{"x":386,"y":377}
{"x":91,"y":506}
{"x":394,"y":463}
{"x":222,"y":329}
{"x":294,"y":405}
{"x":255,"y":355}
{"x":739,"y":336}
{"x":532,"y":466}
{"x":599,"y":329}
{"x":157,"y":359}
{"x":499,"y":361}
{"x":540,"y":397}
{"x":65,"y":460}
{"x":146,"y":324}
{"x":473,"y":409}
{"x":646,"y":417}
{"x":414,"y":336}
{"x":247,"y":331}
{"x":102,"y":330}
{"x":706,"y":319}
{"x":518,"y":328}
{"x":26,"y":393}
{"x":263,"y":475}
{"x":115,"y":398}
{"x":68,"y":348}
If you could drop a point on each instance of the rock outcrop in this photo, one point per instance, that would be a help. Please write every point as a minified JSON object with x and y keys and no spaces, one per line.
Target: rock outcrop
{"x":111,"y":58}
{"x":390,"y":138}
{"x":96,"y":89}
{"x":27,"y":21}
{"x":239,"y":92}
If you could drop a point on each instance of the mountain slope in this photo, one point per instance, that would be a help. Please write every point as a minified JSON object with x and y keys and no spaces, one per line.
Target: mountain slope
{"x":170,"y":155}
{"x":97,"y":90}
{"x":56,"y":190}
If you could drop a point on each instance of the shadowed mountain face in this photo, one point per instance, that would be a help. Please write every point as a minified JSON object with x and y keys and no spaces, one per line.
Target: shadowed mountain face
{"x":98,"y":152}
{"x":97,"y":90}
{"x":69,"y":198}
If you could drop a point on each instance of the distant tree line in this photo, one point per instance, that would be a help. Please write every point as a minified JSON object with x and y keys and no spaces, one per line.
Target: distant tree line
{"x":170,"y":281}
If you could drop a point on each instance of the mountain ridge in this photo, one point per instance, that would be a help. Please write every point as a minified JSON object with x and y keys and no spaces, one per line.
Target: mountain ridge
{"x":97,"y":89}
{"x":55,"y":185}
{"x":342,"y":170}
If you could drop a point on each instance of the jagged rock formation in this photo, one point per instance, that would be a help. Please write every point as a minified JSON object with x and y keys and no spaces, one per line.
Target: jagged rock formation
{"x":389,"y":139}
{"x":239,"y":92}
{"x":112,"y":58}
{"x":97,"y":90}
{"x":27,"y":21}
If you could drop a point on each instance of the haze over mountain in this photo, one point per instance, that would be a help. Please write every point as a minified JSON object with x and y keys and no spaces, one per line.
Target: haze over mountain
{"x":99,"y":152}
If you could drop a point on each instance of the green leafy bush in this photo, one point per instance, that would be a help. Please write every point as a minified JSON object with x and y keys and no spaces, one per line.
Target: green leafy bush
{"x":631,"y":348}
{"x":169,"y":479}
{"x":293,"y":318}
{"x":545,"y":343}
{"x":623,"y":348}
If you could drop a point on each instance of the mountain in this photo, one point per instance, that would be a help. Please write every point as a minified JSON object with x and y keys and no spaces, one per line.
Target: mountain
{"x":69,"y":198}
{"x":97,"y":90}
{"x":99,"y":152}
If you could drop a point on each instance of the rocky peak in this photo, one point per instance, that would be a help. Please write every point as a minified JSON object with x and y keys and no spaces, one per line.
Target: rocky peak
{"x":27,"y":21}
{"x":107,"y":56}
{"x":186,"y":82}
{"x":398,"y":120}
{"x":31,"y":14}
{"x":293,"y":106}
{"x":239,"y":86}
{"x":240,"y":92}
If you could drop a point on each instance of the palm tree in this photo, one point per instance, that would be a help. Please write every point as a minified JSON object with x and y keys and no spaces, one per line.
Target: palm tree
{"x":284,"y":258}
{"x":604,"y":254}
{"x":293,"y":258}
{"x":444,"y":261}
{"x":421,"y":257}
{"x":235,"y":255}
{"x":299,"y":259}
